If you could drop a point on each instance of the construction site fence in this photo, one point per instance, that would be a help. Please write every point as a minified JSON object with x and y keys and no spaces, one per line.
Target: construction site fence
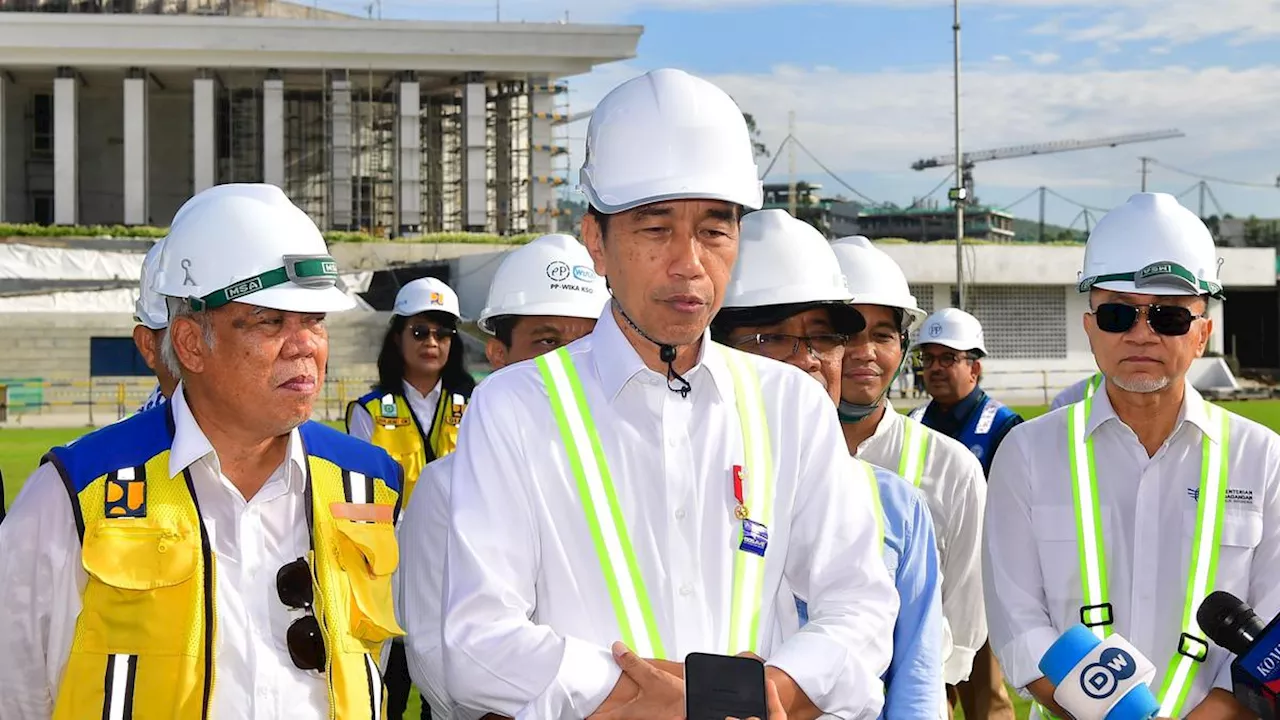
{"x":103,"y":400}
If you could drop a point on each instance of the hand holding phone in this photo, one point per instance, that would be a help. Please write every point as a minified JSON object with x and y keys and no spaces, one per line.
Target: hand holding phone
{"x":717,"y":687}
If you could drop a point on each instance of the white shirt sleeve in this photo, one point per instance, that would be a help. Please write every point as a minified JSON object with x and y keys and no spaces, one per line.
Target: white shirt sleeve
{"x":40,"y":593}
{"x":835,"y":564}
{"x":962,"y":597}
{"x":424,"y":534}
{"x":361,"y":423}
{"x":1017,"y":617}
{"x":495,"y":657}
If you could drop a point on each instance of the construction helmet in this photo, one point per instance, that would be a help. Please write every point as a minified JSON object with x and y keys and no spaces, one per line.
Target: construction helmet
{"x":150,"y":309}
{"x":875,"y":279}
{"x":785,"y":267}
{"x":552,"y":275}
{"x":426,"y":294}
{"x":1151,"y":245}
{"x":953,"y":328}
{"x":247,"y":243}
{"x":668,"y":135}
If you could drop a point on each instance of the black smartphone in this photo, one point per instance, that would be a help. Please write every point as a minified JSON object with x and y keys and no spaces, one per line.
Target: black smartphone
{"x":721,"y":686}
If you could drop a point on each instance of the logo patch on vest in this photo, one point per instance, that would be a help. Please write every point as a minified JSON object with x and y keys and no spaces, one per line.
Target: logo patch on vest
{"x":125,"y":496}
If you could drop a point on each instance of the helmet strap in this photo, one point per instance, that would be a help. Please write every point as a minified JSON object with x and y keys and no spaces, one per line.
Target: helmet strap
{"x":666,"y":353}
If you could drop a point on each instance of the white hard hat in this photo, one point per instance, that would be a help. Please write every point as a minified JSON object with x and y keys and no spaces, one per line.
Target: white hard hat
{"x":552,"y":275}
{"x":1151,"y":245}
{"x":953,"y":328}
{"x":783,"y":261}
{"x":875,"y":279}
{"x":247,"y":243}
{"x":668,"y":135}
{"x":150,"y":309}
{"x":426,"y":295}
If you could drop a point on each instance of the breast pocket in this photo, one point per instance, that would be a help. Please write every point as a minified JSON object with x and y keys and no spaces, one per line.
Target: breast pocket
{"x":1054,"y":529}
{"x":1241,"y":533}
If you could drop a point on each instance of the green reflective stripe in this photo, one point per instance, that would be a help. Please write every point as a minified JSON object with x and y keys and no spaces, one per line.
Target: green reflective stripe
{"x":1211,"y":503}
{"x":309,"y":271}
{"x":1084,"y":494}
{"x":915,"y":439}
{"x":1147,"y":274}
{"x":631,"y":606}
{"x":748,"y":571}
{"x":876,"y":504}
{"x":1094,"y":383}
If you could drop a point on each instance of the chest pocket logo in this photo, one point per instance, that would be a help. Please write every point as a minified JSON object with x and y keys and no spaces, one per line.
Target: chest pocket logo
{"x":125,"y":494}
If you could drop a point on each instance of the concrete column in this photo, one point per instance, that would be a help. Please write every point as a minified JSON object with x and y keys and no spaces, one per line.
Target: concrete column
{"x":204,"y":123}
{"x":273,"y":129}
{"x":4,"y":156}
{"x":340,"y":149}
{"x":136,"y":193}
{"x":502,"y":179}
{"x":66,"y":140}
{"x":542,"y":194}
{"x":475,"y":215}
{"x":409,"y":156}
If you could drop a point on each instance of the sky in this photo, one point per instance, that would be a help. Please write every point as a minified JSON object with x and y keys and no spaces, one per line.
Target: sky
{"x":870,"y":83}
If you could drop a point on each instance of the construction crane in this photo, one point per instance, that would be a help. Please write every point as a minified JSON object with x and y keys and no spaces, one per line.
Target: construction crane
{"x":1017,"y":151}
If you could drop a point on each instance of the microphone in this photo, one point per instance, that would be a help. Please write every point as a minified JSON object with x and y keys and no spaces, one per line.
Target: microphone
{"x":1255,"y":673}
{"x":1100,"y":679}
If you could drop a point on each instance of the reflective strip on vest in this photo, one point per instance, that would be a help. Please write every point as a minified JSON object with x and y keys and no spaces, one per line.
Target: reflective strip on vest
{"x":915,"y":439}
{"x":632,"y":607}
{"x":1210,"y":501}
{"x":1092,"y":386}
{"x":877,"y":506}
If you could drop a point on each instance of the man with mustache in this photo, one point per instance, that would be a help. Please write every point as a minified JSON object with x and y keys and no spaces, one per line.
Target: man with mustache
{"x":1124,"y":510}
{"x":217,"y":556}
{"x":949,"y":476}
{"x":641,"y":485}
{"x":789,"y":300}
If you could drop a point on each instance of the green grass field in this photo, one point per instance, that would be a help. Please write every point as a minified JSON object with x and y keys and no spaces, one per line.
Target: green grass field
{"x":20,"y":451}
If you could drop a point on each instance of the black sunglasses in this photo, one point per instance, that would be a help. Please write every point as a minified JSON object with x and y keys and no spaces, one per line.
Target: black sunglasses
{"x":422,"y":332}
{"x":306,"y":643}
{"x":1172,"y":320}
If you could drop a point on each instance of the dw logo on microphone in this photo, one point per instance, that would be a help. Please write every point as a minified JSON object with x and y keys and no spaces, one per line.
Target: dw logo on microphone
{"x":1100,"y":679}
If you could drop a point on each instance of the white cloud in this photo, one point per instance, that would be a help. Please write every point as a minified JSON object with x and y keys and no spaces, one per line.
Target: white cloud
{"x":872,"y":126}
{"x":1042,"y":58}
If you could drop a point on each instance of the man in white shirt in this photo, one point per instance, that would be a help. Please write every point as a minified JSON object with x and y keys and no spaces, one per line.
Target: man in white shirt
{"x":175,"y":564}
{"x":944,"y":470}
{"x":529,"y":312}
{"x":1096,"y":509}
{"x":658,"y":523}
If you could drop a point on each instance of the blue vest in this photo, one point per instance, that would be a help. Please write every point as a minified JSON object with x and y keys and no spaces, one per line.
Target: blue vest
{"x":985,"y":426}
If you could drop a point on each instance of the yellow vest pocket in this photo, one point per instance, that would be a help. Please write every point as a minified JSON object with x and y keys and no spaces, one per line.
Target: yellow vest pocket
{"x":369,"y":554}
{"x":142,"y":592}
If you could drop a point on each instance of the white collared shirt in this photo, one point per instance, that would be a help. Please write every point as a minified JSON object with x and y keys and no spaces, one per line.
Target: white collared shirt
{"x":423,"y":407}
{"x":1148,"y":514}
{"x":527,"y":619}
{"x":956,"y":492}
{"x":251,"y":540}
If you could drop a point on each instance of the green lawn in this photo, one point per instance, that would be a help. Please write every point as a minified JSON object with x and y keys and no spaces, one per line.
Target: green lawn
{"x":20,"y":451}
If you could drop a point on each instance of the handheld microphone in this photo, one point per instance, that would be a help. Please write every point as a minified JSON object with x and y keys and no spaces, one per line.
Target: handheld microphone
{"x":1100,"y":679}
{"x":1255,"y":674}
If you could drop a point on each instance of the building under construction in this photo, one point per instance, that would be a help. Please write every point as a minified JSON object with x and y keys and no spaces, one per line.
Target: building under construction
{"x":117,"y":111}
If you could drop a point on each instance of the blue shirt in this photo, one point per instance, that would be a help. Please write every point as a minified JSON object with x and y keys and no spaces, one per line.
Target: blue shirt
{"x":914,"y":686}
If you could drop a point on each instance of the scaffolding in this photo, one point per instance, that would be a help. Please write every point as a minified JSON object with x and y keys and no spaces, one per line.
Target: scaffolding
{"x":450,"y":162}
{"x":307,"y":126}
{"x":548,"y":142}
{"x":507,"y":158}
{"x":373,"y":123}
{"x":239,"y":139}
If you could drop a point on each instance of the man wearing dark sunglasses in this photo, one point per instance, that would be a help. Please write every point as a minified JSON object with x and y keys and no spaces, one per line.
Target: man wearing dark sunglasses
{"x":1125,"y":509}
{"x":220,"y":555}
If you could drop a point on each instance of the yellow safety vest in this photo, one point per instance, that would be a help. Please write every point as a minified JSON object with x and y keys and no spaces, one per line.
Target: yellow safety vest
{"x":397,"y":430}
{"x":145,"y":639}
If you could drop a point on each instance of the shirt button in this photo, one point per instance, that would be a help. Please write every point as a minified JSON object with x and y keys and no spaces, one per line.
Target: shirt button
{"x":673,"y":441}
{"x":680,"y":514}
{"x":686,"y":589}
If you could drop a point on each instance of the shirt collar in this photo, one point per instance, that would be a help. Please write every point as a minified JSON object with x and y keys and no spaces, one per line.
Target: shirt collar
{"x":617,"y":362}
{"x":887,"y":423}
{"x":1192,"y":411}
{"x":412,"y":392}
{"x":190,"y":445}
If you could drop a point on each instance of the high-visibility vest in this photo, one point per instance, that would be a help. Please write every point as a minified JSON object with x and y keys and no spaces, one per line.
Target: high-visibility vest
{"x":915,"y":447}
{"x":145,"y":639}
{"x":1193,"y":646}
{"x":621,"y":572}
{"x":397,"y":430}
{"x":981,"y":430}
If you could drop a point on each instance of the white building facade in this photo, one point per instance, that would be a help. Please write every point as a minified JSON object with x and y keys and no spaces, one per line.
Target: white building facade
{"x":391,"y":127}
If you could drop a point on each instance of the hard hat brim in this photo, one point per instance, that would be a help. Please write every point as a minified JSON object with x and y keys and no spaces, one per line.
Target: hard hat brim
{"x":947,"y":343}
{"x":411,"y":310}
{"x":845,"y":318}
{"x":553,"y":309}
{"x":630,"y":198}
{"x":1128,"y":286}
{"x":291,"y":298}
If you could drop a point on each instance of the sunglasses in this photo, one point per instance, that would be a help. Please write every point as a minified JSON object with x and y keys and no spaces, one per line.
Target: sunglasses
{"x":944,"y":360}
{"x":306,"y":644}
{"x":1171,"y":320}
{"x":422,"y":332}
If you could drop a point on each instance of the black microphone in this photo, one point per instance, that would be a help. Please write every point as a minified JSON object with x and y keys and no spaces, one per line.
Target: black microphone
{"x":1255,"y":673}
